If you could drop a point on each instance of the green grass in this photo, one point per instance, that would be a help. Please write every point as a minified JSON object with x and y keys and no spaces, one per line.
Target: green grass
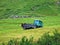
{"x":28,"y":7}
{"x":10,"y":28}
{"x":45,"y":39}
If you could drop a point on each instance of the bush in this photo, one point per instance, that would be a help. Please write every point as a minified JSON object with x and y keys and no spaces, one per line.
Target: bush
{"x":46,"y":39}
{"x":26,"y":41}
{"x":11,"y":42}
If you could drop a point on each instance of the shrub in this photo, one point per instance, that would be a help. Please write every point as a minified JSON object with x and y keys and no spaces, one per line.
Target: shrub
{"x":11,"y":42}
{"x":46,"y":39}
{"x":26,"y":41}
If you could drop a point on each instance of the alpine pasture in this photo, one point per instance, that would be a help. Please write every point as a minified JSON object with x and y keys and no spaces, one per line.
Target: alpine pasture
{"x":10,"y":28}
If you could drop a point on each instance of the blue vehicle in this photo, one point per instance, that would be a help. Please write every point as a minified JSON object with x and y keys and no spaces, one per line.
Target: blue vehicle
{"x":36,"y":24}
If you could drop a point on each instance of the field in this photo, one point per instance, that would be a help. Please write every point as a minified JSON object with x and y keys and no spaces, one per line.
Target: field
{"x":11,"y":28}
{"x":29,"y":7}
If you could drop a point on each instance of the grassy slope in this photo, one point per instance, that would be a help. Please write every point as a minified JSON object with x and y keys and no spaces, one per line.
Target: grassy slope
{"x":10,"y":28}
{"x":28,"y":7}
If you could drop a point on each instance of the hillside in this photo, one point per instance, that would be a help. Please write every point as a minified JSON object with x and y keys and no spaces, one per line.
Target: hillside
{"x":29,"y":7}
{"x":11,"y":28}
{"x":48,"y":11}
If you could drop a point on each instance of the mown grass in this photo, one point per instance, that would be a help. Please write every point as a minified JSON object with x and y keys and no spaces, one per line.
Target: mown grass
{"x":11,"y":28}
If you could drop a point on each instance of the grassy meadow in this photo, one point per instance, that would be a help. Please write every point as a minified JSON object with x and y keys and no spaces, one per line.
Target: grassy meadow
{"x":29,"y":7}
{"x":11,"y":28}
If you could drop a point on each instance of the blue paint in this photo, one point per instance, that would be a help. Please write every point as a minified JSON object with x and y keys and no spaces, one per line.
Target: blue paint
{"x":38,"y":23}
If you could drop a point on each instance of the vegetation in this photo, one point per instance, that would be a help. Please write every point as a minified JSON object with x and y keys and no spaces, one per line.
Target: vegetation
{"x":10,"y":28}
{"x":46,"y":39}
{"x":29,"y":7}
